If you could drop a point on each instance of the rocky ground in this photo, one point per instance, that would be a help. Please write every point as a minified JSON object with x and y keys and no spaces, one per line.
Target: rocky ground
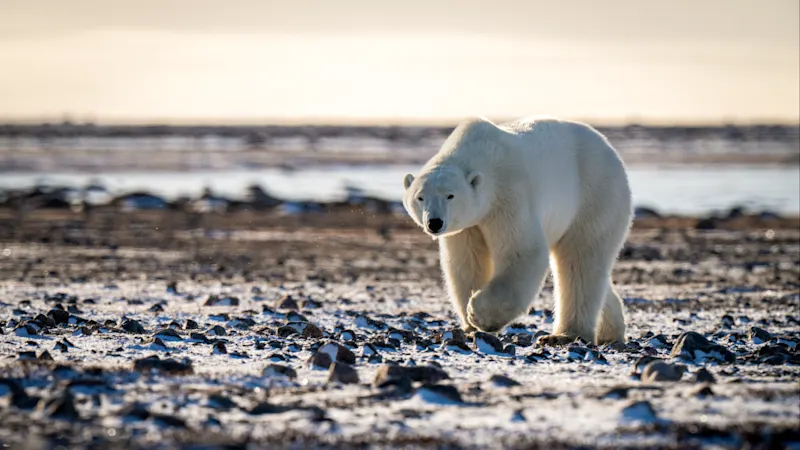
{"x":247,"y":330}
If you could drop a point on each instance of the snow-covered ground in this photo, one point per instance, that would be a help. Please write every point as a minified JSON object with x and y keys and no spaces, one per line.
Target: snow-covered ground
{"x":261,"y":338}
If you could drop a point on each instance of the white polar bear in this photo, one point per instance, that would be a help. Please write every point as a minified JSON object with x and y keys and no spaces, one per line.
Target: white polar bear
{"x":501,"y":199}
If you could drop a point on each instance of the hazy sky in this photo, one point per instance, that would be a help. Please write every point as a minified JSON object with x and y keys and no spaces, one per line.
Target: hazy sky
{"x":202,"y":60}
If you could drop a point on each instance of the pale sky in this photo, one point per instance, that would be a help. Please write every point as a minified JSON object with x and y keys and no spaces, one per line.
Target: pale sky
{"x":355,"y":60}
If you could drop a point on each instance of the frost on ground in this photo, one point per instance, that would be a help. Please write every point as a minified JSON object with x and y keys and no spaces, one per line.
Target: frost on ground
{"x":151,"y":335}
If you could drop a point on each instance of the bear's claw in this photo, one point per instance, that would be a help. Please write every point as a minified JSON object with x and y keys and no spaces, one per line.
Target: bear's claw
{"x":555,"y":340}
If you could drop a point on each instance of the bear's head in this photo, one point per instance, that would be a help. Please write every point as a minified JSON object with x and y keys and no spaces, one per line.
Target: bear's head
{"x":445,"y":199}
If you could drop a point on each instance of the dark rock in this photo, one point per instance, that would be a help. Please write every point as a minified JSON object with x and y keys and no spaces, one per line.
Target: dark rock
{"x":294,"y":316}
{"x":643,"y":361}
{"x":457,"y":346}
{"x":200,"y":337}
{"x":439,"y":393}
{"x":83,"y":331}
{"x":27,"y":329}
{"x":169,"y":334}
{"x":242,"y":323}
{"x":279,"y":370}
{"x":267,"y":408}
{"x":541,"y":355}
{"x":304,"y":329}
{"x":659,"y":341}
{"x":219,"y":349}
{"x":660,"y":371}
{"x":503,"y":381}
{"x":310,"y":304}
{"x":61,"y":407}
{"x":595,"y":356}
{"x":728,"y":321}
{"x":347,"y":335}
{"x":19,"y":398}
{"x":320,"y":360}
{"x":133,"y":327}
{"x":369,"y":350}
{"x":338,"y":352}
{"x":45,"y":356}
{"x":342,"y":373}
{"x":758,"y":336}
{"x":576,"y":352}
{"x":157,"y":308}
{"x":167,"y":420}
{"x":217,"y":330}
{"x":389,"y":373}
{"x":170,"y":366}
{"x":214,"y":300}
{"x":221,"y":402}
{"x":44,"y":321}
{"x":277,"y":357}
{"x":487,"y":343}
{"x":287,"y":302}
{"x":191,"y":325}
{"x":704,"y":391}
{"x":363,"y":321}
{"x":401,"y":336}
{"x":614,"y":346}
{"x":693,"y":346}
{"x":455,"y":334}
{"x":709,"y":223}
{"x":424,"y":344}
{"x":135,"y":411}
{"x":616,"y":393}
{"x":704,"y":376}
{"x":522,"y":339}
{"x":60,"y":346}
{"x":59,"y":316}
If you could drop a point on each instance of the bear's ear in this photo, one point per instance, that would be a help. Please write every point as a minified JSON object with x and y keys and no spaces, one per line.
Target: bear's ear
{"x":475,"y":179}
{"x":408,"y":180}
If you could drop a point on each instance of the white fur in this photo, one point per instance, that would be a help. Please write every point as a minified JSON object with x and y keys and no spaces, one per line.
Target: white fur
{"x":527,"y":195}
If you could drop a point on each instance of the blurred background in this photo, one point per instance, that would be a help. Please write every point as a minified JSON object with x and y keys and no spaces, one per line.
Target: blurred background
{"x":292,"y":106}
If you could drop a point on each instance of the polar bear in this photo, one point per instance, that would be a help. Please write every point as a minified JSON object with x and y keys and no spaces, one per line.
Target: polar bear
{"x":508,"y":201}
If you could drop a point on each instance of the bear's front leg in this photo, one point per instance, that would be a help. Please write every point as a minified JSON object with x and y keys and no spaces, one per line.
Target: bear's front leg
{"x":509,"y":294}
{"x":467,"y":266}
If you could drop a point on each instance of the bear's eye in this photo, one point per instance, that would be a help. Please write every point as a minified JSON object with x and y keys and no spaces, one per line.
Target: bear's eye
{"x":420,"y":199}
{"x":450,"y":197}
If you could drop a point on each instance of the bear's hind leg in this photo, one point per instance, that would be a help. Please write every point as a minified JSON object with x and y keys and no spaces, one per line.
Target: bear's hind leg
{"x":467,"y":267}
{"x":581,"y":273}
{"x":612,"y":320}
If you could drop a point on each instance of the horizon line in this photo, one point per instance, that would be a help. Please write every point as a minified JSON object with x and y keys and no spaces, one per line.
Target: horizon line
{"x":381,"y":121}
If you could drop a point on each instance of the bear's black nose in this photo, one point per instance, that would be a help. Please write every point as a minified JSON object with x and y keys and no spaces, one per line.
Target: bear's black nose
{"x":434,"y":225}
